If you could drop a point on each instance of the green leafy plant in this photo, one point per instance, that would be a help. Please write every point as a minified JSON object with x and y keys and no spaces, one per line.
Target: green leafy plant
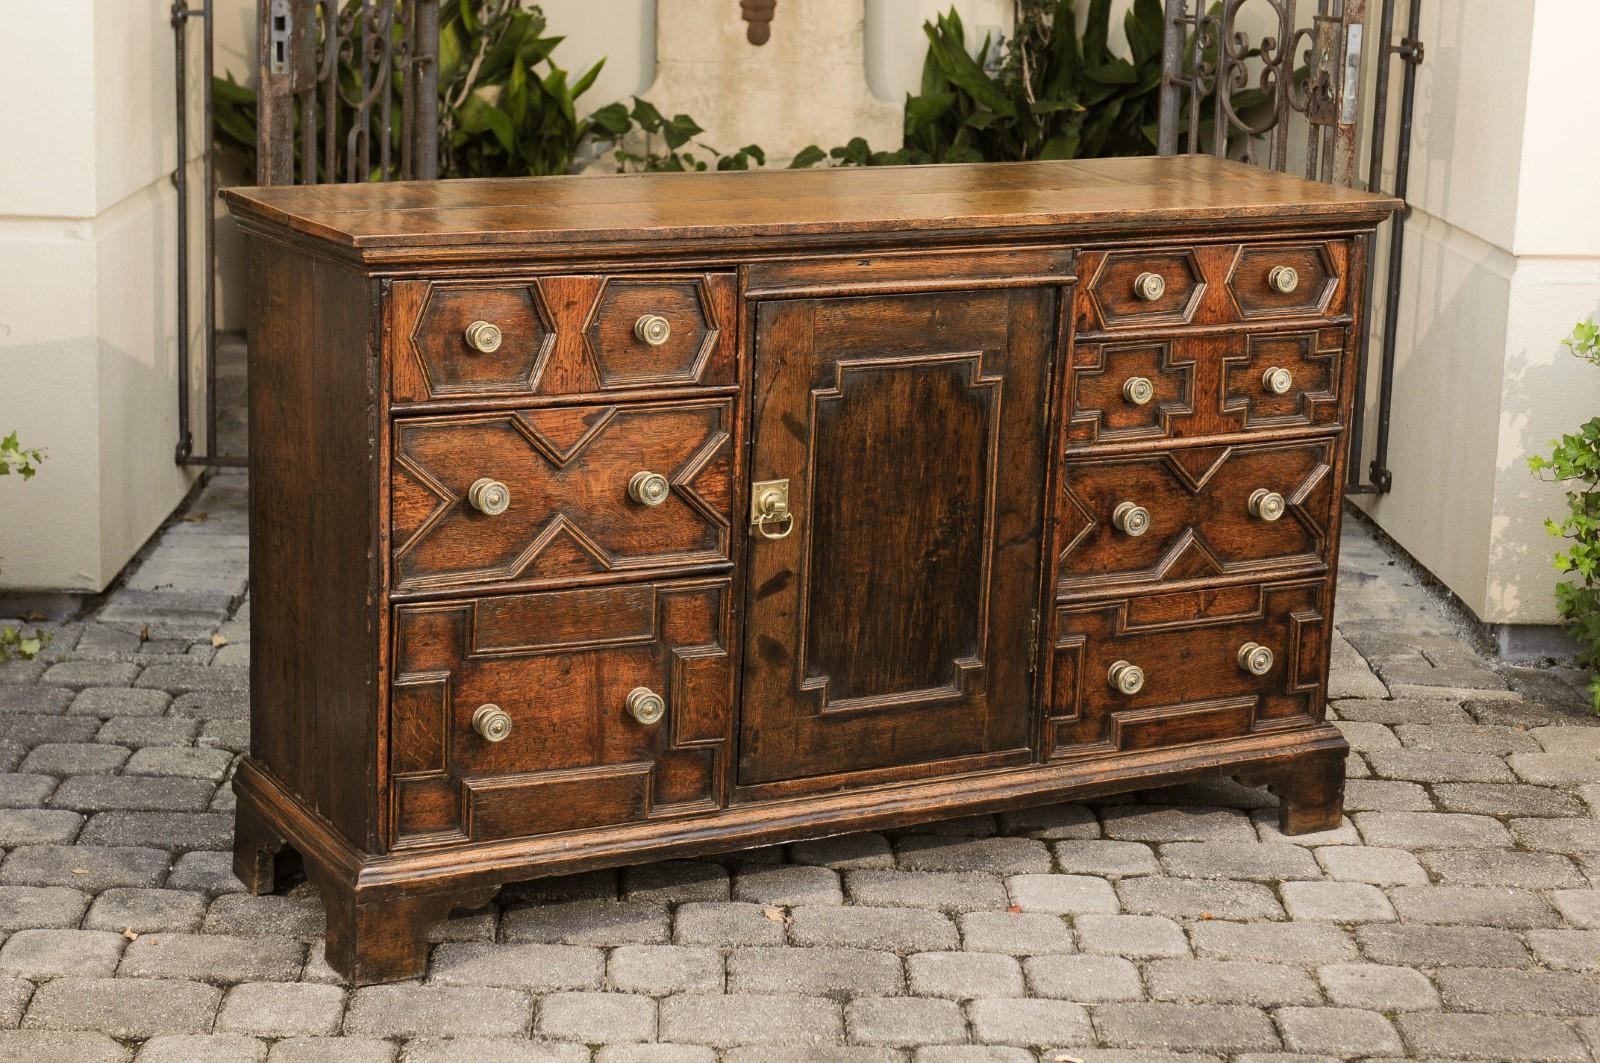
{"x":1044,"y":93}
{"x":16,"y":459}
{"x":1575,"y":459}
{"x":674,"y":133}
{"x":505,"y":107}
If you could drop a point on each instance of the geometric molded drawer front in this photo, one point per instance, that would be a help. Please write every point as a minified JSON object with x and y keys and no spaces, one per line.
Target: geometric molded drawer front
{"x":1250,"y":282}
{"x":1207,"y":665}
{"x":559,"y":336}
{"x":1206,"y":511}
{"x":561,"y":665}
{"x":1122,"y":293}
{"x":1187,"y":386}
{"x":566,"y":474}
{"x":1211,"y":284}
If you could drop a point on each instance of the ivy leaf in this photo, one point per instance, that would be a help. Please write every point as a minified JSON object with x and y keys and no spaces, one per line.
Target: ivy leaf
{"x":612,"y":118}
{"x":807,"y":156}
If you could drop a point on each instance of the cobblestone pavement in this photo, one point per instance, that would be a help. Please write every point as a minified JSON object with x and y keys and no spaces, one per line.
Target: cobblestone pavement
{"x":1454,"y":915}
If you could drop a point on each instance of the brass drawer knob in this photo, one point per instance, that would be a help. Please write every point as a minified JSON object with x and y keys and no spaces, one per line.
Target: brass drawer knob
{"x":1126,"y":678}
{"x":1266,"y":505}
{"x":489,"y":497}
{"x":1138,"y":390}
{"x":484,"y":337}
{"x":1149,"y":286}
{"x":1130,"y":519}
{"x":1284,"y":279}
{"x":646,"y":706}
{"x":649,"y":488}
{"x":1277,"y":380}
{"x":1255,"y":658}
{"x":652,"y":329}
{"x":492,"y":722}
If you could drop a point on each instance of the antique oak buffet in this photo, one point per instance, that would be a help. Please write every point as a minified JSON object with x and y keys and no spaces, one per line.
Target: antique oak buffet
{"x":602,"y":519}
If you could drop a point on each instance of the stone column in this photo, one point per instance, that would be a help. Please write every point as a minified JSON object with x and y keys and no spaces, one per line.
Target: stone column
{"x":806,"y":85}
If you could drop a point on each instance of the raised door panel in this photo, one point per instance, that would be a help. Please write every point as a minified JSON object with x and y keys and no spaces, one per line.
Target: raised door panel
{"x":561,"y":665}
{"x":567,"y":471}
{"x":890,"y":628}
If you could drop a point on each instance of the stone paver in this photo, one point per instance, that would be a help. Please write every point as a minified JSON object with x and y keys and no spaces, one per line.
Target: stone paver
{"x":1453,"y":915}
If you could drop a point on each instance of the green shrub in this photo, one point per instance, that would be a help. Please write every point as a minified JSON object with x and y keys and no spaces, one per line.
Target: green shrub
{"x":1575,"y":459}
{"x":1044,"y":93}
{"x":18,"y":460}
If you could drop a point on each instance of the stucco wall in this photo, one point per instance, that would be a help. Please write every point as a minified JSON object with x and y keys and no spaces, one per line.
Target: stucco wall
{"x":87,"y":334}
{"x":1502,"y":256}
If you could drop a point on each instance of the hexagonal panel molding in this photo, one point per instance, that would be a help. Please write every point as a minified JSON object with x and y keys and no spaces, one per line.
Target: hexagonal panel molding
{"x":452,"y":366}
{"x":623,"y":359}
{"x":1250,"y":285}
{"x":1111,"y":289}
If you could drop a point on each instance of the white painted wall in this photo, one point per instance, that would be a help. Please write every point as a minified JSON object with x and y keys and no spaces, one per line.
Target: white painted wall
{"x":87,"y":264}
{"x":1502,"y":256}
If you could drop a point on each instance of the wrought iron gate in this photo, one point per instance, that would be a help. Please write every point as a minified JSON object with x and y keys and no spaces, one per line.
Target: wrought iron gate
{"x":347,"y":90}
{"x":334,"y":69}
{"x":1207,"y":58}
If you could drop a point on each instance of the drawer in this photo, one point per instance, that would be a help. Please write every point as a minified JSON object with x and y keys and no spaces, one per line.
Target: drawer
{"x":1211,"y":284}
{"x":1194,"y":512}
{"x":534,"y":713}
{"x":542,"y":494}
{"x":581,"y":334}
{"x":1177,"y":387}
{"x":1177,"y":668}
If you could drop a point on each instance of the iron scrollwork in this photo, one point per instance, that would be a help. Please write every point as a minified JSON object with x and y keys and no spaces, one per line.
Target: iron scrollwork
{"x":1224,"y":95}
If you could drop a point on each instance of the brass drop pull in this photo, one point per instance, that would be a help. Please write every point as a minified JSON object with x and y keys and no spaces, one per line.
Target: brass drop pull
{"x":1138,"y":390}
{"x":769,"y":509}
{"x":1283,"y":279}
{"x":489,"y":497}
{"x":1266,"y":505}
{"x":1277,"y":380}
{"x":1149,"y":286}
{"x":1131,"y":519}
{"x":649,"y":488}
{"x":492,"y":722}
{"x":484,"y":337}
{"x":652,"y":329}
{"x":646,"y":706}
{"x":1255,"y":658}
{"x":1126,"y":678}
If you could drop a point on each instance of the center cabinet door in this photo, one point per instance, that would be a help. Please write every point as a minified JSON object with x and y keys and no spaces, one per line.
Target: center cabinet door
{"x":888,"y":635}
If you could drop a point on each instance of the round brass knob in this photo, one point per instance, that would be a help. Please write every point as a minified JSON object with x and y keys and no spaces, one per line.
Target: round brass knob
{"x":1284,"y":279}
{"x":1138,"y":390}
{"x":646,"y":706}
{"x":1149,"y":286}
{"x":1255,"y":658}
{"x":1268,"y":505}
{"x":652,"y":329}
{"x":489,"y":497}
{"x":1277,"y":380}
{"x":649,"y":488}
{"x":492,"y":722}
{"x":1131,"y":519}
{"x":484,"y":337}
{"x":1126,"y":678}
